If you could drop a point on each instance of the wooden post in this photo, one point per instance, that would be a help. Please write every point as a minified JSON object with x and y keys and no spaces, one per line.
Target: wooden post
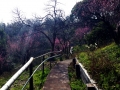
{"x":74,"y":62}
{"x":67,"y":52}
{"x":61,"y":58}
{"x":77,"y":68}
{"x":43,"y":65}
{"x":31,"y":79}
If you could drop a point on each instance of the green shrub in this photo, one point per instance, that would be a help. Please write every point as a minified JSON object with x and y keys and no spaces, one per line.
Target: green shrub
{"x":103,"y":65}
{"x":83,"y":58}
{"x":77,"y":49}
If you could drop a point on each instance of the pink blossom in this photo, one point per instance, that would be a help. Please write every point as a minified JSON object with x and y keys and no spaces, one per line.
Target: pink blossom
{"x":80,"y":32}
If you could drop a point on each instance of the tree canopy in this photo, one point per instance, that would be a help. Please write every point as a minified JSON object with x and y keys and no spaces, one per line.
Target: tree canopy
{"x":90,"y":12}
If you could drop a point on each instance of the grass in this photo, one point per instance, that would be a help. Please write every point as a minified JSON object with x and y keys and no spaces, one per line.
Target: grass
{"x":103,"y":65}
{"x":4,"y":78}
{"x":84,"y":59}
{"x":38,"y":77}
{"x":75,"y":84}
{"x":38,"y":80}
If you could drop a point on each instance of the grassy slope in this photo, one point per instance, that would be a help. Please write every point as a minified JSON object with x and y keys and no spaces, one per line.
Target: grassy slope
{"x":103,"y":64}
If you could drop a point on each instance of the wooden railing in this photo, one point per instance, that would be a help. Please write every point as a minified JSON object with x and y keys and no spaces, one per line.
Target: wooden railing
{"x":30,"y":65}
{"x":81,"y":72}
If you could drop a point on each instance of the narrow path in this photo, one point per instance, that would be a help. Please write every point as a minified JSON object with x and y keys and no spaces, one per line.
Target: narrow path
{"x":58,"y":77}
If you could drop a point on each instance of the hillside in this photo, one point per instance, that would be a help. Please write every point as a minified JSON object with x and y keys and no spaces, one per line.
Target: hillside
{"x":103,"y":64}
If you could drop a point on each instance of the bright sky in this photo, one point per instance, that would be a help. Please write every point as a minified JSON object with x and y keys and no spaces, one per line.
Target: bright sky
{"x":30,"y":8}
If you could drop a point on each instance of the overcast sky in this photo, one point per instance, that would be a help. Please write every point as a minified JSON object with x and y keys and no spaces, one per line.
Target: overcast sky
{"x":29,"y":8}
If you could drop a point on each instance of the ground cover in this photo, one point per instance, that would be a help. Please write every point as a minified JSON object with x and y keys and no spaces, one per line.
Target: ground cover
{"x":75,"y":83}
{"x":103,"y":65}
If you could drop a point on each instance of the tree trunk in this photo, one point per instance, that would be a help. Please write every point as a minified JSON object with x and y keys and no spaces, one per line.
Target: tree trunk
{"x":52,"y":54}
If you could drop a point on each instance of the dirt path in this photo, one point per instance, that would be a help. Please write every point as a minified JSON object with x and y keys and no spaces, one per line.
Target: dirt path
{"x":58,"y":77}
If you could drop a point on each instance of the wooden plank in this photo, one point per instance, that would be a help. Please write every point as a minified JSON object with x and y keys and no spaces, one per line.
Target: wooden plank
{"x":90,"y":86}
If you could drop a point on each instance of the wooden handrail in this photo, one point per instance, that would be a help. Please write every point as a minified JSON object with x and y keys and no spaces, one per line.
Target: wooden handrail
{"x":47,"y":53}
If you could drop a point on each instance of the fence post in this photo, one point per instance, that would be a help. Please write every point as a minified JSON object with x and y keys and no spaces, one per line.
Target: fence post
{"x":31,"y":79}
{"x":77,"y":67}
{"x":43,"y":65}
{"x":61,"y":59}
{"x":67,"y":52}
{"x":74,"y":62}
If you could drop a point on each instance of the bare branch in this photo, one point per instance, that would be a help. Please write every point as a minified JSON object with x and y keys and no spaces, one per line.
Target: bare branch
{"x":17,"y":12}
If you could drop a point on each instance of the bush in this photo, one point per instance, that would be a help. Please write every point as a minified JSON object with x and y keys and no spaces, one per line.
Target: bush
{"x":77,"y":49}
{"x":103,"y":65}
{"x":99,"y":34}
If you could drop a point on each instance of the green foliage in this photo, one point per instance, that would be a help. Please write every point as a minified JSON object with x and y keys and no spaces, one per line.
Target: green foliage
{"x":18,"y":84}
{"x":112,"y":51}
{"x":83,"y":58}
{"x":99,"y":34}
{"x":76,"y":84}
{"x":103,"y":64}
{"x":38,"y":80}
{"x":77,"y":49}
{"x":2,"y":42}
{"x":3,"y":79}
